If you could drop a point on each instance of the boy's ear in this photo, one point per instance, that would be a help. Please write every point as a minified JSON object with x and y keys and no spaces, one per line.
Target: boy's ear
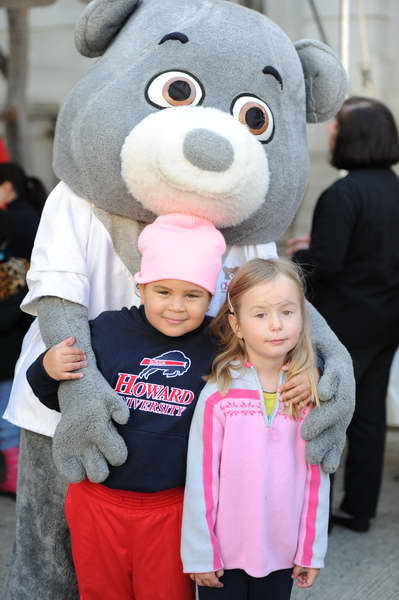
{"x":325,"y":80}
{"x":99,"y":24}
{"x":140,"y":289}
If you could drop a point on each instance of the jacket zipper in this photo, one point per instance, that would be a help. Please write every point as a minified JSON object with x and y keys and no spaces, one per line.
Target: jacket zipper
{"x":269,"y":419}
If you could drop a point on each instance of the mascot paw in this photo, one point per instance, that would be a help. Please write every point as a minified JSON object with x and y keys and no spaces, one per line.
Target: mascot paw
{"x":70,"y":468}
{"x":326,"y":449}
{"x":77,"y":457}
{"x":330,"y":462}
{"x":86,"y":440}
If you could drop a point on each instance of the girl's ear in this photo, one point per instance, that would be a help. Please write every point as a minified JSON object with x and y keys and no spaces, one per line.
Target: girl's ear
{"x":233,"y":322}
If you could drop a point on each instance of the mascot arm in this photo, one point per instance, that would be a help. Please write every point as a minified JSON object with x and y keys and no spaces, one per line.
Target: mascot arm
{"x":325,"y":427}
{"x":85,"y":438}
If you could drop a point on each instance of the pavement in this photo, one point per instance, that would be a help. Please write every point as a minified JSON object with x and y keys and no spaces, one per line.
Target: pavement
{"x":359,"y":566}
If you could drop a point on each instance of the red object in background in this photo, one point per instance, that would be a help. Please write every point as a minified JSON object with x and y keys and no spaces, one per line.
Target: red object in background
{"x":9,"y":485}
{"x":4,"y":157}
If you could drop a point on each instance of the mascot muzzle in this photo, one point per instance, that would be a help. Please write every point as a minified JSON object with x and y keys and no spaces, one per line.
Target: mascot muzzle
{"x":196,"y":160}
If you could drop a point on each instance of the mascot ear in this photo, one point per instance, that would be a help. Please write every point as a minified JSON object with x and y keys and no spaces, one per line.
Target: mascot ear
{"x":99,"y":24}
{"x":325,"y":80}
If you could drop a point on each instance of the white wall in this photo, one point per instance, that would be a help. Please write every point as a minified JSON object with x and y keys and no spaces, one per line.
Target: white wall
{"x":55,"y":66}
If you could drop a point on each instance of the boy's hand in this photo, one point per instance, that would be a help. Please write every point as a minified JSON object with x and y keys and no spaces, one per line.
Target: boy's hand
{"x":62,"y":359}
{"x":304,"y":576}
{"x":208,"y":579}
{"x":296,"y":390}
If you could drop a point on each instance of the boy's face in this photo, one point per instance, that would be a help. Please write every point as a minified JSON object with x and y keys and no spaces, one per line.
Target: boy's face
{"x":174,"y":307}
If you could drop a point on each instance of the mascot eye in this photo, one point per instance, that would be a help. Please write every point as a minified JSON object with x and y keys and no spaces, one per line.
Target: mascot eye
{"x":256,"y":115}
{"x":174,"y":88}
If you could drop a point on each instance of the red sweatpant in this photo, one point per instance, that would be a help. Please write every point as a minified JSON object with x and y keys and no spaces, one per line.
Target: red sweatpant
{"x":126,"y":545}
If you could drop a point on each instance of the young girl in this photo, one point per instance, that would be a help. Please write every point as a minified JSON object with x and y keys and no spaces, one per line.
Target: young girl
{"x":255,"y":514}
{"x":126,"y":532}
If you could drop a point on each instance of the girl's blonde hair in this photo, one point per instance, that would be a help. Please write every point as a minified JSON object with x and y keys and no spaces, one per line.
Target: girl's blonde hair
{"x":300,"y":358}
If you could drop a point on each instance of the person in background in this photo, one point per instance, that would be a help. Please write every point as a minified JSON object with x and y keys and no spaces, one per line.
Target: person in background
{"x":352,"y":262}
{"x":21,"y":201}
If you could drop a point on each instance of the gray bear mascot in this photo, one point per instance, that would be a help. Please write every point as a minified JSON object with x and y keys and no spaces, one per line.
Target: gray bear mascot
{"x":231,"y":147}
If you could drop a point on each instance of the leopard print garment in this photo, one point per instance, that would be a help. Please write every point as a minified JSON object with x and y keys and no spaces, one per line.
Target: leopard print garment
{"x":12,"y":276}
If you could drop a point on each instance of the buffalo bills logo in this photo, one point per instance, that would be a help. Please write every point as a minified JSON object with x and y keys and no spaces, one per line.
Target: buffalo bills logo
{"x":172,"y":364}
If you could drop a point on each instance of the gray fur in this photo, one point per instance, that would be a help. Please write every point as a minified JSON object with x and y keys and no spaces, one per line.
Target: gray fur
{"x":85,"y":438}
{"x":100,"y":23}
{"x":325,"y":427}
{"x":41,"y":566}
{"x":325,"y":83}
{"x":124,"y":233}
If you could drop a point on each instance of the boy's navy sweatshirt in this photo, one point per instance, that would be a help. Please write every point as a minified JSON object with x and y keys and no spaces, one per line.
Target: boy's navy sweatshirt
{"x":160,"y":379}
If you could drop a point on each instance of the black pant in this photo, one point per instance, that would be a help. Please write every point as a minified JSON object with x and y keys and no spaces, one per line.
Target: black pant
{"x":240,"y":586}
{"x":366,"y":433}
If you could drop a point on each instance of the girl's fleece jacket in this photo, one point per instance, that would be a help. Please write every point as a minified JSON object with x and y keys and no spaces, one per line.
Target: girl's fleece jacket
{"x":251,"y":501}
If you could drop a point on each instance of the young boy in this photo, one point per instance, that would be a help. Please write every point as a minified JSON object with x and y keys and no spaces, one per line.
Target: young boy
{"x":126,"y":532}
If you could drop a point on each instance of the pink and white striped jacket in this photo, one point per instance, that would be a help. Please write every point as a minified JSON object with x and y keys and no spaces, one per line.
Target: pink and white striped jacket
{"x":251,"y":502}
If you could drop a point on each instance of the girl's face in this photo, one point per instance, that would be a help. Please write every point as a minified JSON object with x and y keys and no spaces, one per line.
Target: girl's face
{"x":269,"y":319}
{"x":174,"y":307}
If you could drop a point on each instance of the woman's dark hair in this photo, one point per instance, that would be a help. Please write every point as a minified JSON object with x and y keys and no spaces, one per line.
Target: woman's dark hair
{"x":367,"y":135}
{"x":27,"y":188}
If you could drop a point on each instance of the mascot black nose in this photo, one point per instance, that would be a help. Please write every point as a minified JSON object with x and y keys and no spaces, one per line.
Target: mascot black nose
{"x":208,"y":150}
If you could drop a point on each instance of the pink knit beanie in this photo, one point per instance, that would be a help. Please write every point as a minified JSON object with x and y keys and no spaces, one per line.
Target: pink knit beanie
{"x":183,"y":247}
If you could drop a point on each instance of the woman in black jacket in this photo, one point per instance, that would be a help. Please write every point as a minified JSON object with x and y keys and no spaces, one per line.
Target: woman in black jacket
{"x":352,"y":265}
{"x":21,"y":201}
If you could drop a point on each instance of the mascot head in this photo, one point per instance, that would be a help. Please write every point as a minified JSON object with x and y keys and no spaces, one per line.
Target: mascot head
{"x":196,"y":106}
